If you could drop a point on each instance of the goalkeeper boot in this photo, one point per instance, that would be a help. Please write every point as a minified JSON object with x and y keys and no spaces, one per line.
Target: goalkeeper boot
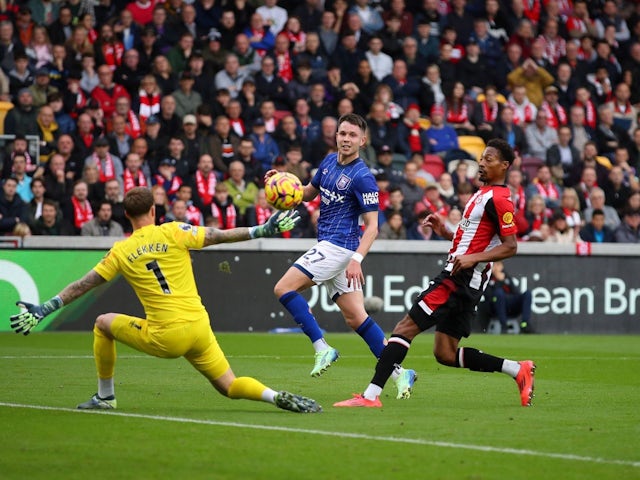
{"x":296,"y":403}
{"x":359,"y":401}
{"x":404,"y":383}
{"x":524,"y":379}
{"x":97,"y":403}
{"x":324,"y":359}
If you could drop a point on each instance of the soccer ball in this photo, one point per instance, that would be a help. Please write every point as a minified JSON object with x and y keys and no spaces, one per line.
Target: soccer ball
{"x":283,"y":191}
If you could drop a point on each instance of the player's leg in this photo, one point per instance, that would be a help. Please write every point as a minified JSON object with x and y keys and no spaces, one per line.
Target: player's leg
{"x":317,"y":265}
{"x":104,"y":353}
{"x":351,"y":304}
{"x":209,"y":359}
{"x":456,"y":325}
{"x":391,"y":357}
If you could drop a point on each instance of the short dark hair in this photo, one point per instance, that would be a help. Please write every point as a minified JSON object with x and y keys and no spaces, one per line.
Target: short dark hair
{"x":354,"y":119}
{"x":597,"y":211}
{"x":138,"y":201}
{"x":506,"y":152}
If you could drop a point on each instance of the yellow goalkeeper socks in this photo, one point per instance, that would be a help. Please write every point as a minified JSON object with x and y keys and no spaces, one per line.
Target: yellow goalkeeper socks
{"x":250,"y":389}
{"x":104,"y":353}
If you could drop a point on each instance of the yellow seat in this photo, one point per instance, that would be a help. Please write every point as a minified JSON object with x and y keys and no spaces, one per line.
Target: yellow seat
{"x":472,"y":144}
{"x":499,"y":97}
{"x":4,"y":108}
{"x":424,"y":122}
{"x":604,"y":161}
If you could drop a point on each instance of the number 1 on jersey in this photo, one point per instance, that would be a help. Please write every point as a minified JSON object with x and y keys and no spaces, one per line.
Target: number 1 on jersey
{"x":155,"y":268}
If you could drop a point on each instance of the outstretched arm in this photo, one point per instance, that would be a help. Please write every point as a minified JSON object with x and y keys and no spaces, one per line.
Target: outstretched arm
{"x":281,"y":221}
{"x":25,"y":321}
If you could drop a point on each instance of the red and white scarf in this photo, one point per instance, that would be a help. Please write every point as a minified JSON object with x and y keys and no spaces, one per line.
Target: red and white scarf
{"x":259,"y":35}
{"x":624,"y":109}
{"x":520,"y":200}
{"x":108,"y":172}
{"x":555,"y":116}
{"x":112,"y":53}
{"x":285,"y":69}
{"x":238,"y":126}
{"x":206,"y":187}
{"x":549,"y":191}
{"x":590,"y":117}
{"x":82,"y":212}
{"x":133,"y":125}
{"x":149,"y":104}
{"x":193,"y":215}
{"x":262,"y":214}
{"x":522,"y":115}
{"x":173,"y":184}
{"x":133,"y":180}
{"x":490,"y":113}
{"x":458,"y":113}
{"x":226,"y":216}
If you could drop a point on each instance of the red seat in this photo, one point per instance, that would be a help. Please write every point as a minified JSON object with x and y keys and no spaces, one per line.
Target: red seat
{"x":530,"y":167}
{"x":434,"y":165}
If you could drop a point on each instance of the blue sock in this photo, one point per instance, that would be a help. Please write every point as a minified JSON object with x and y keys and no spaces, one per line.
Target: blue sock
{"x":371,"y":333}
{"x":299,"y":309}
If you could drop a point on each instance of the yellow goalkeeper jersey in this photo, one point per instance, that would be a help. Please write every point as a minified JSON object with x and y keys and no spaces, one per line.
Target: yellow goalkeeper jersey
{"x":155,"y":261}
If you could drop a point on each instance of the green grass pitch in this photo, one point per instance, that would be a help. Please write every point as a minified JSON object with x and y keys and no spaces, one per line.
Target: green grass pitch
{"x":170,"y":424}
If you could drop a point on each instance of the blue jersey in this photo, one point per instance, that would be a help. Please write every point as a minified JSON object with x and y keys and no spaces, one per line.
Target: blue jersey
{"x":346,"y":192}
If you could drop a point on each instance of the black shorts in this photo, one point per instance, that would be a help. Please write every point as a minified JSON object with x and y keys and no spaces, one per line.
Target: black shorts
{"x":448,"y":305}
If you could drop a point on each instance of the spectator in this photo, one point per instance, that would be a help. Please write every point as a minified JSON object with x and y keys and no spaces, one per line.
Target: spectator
{"x":629,"y":229}
{"x":21,"y":119}
{"x":556,"y":114}
{"x":109,"y":166}
{"x":570,"y":205}
{"x":428,"y":45}
{"x":506,"y":300}
{"x":412,"y":137}
{"x":609,"y":136}
{"x":108,"y":49}
{"x":431,"y":90}
{"x":411,"y":189}
{"x":241,"y":192}
{"x":460,"y":19}
{"x":540,"y":136}
{"x":319,"y":106}
{"x":442,"y":138}
{"x":581,"y":133}
{"x":327,"y":32}
{"x":433,"y":202}
{"x":273,"y":16}
{"x":20,"y":76}
{"x":458,"y":109}
{"x":393,"y":228}
{"x":490,"y":46}
{"x":192,"y":214}
{"x":617,"y":189}
{"x":596,"y":231}
{"x":381,"y":64}
{"x":34,"y":206}
{"x":506,"y":129}
{"x":534,"y":78}
{"x":107,"y":92}
{"x":405,"y":89}
{"x":224,"y":214}
{"x":563,"y":158}
{"x":625,"y":115}
{"x":419,"y":230}
{"x":13,"y":210}
{"x":610,"y":16}
{"x":537,"y":214}
{"x":187,"y":100}
{"x":131,"y":72}
{"x":265,"y":147}
{"x":102,"y":225}
{"x":230,"y":77}
{"x":133,"y":175}
{"x":566,"y":84}
{"x":381,"y":130}
{"x":559,"y":229}
{"x":50,"y":222}
{"x":260,"y":37}
{"x":596,"y":202}
{"x":60,"y":30}
{"x":524,"y":112}
{"x":47,"y":131}
{"x":167,"y":177}
{"x":19,"y":173}
{"x":165,"y":77}
{"x":77,"y":210}
{"x":486,"y":113}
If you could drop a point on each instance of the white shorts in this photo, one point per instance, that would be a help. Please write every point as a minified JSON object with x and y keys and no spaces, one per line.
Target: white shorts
{"x":325,"y":264}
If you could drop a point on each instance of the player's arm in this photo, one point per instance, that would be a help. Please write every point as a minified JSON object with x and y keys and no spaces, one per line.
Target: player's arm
{"x":507,"y":248}
{"x":309,"y":192}
{"x":279,"y":222}
{"x":434,"y":221}
{"x":354,"y":268}
{"x":25,"y":321}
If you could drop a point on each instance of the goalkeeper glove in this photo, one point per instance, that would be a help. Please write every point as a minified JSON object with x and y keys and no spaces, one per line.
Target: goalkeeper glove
{"x":25,"y":321}
{"x":277,"y":223}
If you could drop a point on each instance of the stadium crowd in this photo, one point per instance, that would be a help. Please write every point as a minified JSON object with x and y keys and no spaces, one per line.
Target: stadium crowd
{"x":197,"y":99}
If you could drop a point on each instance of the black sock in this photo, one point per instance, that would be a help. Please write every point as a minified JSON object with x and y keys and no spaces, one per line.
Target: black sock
{"x":478,"y":361}
{"x":392,"y":355}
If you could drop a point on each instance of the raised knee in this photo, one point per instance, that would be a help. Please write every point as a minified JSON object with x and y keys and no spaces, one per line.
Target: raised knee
{"x":444,"y":358}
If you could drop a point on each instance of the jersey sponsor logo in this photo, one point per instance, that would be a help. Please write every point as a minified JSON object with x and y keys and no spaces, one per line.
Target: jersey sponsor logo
{"x":370,"y":198}
{"x":343,"y":182}
{"x":507,"y":217}
{"x":328,"y":196}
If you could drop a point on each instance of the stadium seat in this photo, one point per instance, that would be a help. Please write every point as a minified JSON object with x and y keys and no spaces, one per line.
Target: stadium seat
{"x":604,"y":161}
{"x":472,"y":144}
{"x":434,"y":165}
{"x":530,"y":167}
{"x":4,"y":108}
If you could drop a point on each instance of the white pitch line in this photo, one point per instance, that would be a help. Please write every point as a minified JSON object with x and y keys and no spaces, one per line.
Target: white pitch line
{"x":360,"y":436}
{"x":84,"y":357}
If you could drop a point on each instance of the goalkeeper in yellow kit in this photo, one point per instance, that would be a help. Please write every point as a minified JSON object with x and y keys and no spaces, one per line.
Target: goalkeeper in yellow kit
{"x":155,"y":261}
